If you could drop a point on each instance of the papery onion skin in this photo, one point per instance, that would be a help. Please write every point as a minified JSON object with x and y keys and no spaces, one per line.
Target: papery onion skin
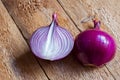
{"x":51,"y":42}
{"x":95,"y":47}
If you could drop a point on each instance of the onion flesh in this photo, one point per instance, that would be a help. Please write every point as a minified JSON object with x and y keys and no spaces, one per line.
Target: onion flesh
{"x":51,"y":42}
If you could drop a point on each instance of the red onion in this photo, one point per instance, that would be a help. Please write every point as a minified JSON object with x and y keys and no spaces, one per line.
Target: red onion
{"x":51,"y":42}
{"x":95,"y":47}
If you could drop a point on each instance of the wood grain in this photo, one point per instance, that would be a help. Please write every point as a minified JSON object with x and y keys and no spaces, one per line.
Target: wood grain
{"x":109,"y":14}
{"x":16,"y":60}
{"x":32,"y":14}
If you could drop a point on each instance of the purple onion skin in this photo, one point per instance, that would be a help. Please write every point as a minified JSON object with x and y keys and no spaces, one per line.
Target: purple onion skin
{"x":95,"y":47}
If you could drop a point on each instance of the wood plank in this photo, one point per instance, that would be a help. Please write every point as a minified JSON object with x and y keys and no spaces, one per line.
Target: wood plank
{"x":16,"y":60}
{"x":109,"y":14}
{"x":29,"y":15}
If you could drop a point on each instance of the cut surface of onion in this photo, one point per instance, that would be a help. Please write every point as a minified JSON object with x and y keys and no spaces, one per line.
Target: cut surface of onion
{"x":51,"y":42}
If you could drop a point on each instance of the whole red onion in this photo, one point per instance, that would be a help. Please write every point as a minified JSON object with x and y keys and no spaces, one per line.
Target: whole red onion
{"x":95,"y":47}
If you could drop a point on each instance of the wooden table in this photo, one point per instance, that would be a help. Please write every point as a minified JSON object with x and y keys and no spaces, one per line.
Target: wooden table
{"x":20,"y":18}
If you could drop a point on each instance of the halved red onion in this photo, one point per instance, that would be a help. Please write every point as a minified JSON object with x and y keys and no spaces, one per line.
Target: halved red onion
{"x":51,"y":42}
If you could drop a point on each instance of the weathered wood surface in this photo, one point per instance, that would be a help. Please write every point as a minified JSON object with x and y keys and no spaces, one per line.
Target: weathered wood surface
{"x":29,"y":15}
{"x":16,"y":60}
{"x":109,"y":14}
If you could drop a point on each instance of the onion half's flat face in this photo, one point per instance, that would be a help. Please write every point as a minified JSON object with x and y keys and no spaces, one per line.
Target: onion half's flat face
{"x":51,"y":42}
